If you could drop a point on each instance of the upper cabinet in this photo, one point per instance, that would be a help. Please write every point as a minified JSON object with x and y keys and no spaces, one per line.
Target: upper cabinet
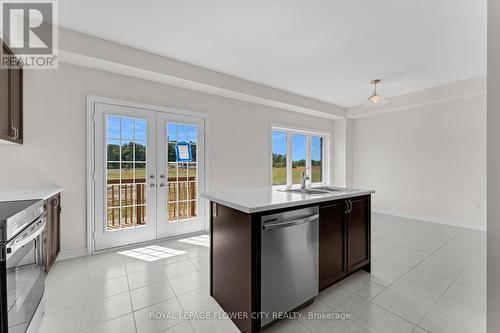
{"x":11,"y":102}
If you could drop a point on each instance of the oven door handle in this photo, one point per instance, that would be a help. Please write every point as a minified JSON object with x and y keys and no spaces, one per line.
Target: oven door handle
{"x":20,"y":243}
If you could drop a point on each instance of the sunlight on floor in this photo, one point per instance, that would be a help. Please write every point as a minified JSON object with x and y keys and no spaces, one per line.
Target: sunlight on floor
{"x":152,"y":253}
{"x":198,"y":240}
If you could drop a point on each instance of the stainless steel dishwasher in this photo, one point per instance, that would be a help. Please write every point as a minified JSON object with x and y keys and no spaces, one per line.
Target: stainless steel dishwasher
{"x":289,"y":261}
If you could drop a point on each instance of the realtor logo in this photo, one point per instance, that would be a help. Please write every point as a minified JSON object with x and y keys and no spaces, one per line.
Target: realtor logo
{"x":29,"y":29}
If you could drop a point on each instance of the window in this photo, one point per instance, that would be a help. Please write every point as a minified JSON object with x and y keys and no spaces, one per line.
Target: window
{"x":279,"y":157}
{"x":296,"y":151}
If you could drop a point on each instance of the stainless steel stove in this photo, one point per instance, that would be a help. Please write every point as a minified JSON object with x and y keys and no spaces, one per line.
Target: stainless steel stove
{"x":22,"y":273}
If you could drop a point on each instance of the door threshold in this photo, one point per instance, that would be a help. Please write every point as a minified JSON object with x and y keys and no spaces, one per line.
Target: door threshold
{"x":126,"y":247}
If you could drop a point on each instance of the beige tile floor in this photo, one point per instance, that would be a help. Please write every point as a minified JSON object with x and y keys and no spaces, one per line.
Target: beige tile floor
{"x":426,"y":278}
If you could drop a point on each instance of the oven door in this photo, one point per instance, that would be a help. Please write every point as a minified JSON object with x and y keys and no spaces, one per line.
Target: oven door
{"x":25,"y":275}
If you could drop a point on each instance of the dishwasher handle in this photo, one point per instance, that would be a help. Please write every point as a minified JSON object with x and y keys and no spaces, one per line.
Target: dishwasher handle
{"x":284,"y":224}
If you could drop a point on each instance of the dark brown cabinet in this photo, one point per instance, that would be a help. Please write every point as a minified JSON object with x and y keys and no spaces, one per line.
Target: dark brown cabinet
{"x":332,"y":247}
{"x":51,"y":238}
{"x":11,"y":101}
{"x":237,"y":247}
{"x":358,"y":233}
{"x":344,"y":239}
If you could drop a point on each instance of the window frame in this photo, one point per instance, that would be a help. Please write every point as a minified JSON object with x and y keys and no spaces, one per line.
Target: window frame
{"x":309,"y":133}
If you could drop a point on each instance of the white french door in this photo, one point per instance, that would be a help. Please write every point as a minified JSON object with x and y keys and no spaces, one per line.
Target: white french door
{"x":179,"y":207}
{"x":148,"y":173}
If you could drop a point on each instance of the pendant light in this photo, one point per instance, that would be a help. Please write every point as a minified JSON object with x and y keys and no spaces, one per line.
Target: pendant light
{"x":374,"y":97}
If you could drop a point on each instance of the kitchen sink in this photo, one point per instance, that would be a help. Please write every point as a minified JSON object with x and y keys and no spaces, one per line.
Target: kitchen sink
{"x":306,"y":191}
{"x":332,"y":189}
{"x":317,"y":190}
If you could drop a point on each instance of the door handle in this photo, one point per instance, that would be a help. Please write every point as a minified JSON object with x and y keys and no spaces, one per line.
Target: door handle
{"x":348,"y":207}
{"x":15,"y":132}
{"x":152,"y":185}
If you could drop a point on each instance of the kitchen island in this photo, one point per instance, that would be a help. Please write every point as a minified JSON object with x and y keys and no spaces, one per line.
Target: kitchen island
{"x":256,"y":268}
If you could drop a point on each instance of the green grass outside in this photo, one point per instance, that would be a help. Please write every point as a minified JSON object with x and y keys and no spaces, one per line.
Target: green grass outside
{"x":114,"y":174}
{"x":279,"y":175}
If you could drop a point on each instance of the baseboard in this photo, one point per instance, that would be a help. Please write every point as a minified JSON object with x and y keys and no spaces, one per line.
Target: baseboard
{"x":70,"y":254}
{"x":432,"y":219}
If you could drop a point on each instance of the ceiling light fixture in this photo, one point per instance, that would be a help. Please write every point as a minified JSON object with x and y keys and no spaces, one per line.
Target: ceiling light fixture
{"x":374,"y":97}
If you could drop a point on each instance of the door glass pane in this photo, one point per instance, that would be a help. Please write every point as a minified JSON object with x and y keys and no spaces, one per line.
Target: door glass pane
{"x":279,"y":158}
{"x":298,"y":156}
{"x":140,"y":151}
{"x":140,"y":129}
{"x":317,"y":159}
{"x":194,"y":151}
{"x":113,"y":127}
{"x":182,"y":190}
{"x":182,"y":171}
{"x":172,"y":192}
{"x":192,"y":190}
{"x":127,"y":194}
{"x":127,"y":151}
{"x":172,"y":211}
{"x":113,"y":150}
{"x":192,"y":171}
{"x":192,"y":209}
{"x":113,"y":196}
{"x":127,"y":128}
{"x":126,"y":172}
{"x":183,"y":211}
{"x":113,"y":173}
{"x":140,"y":173}
{"x":182,"y":133}
{"x":182,"y":174}
{"x":113,"y":218}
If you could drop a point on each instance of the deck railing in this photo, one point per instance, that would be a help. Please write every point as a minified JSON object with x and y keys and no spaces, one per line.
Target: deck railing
{"x":126,"y":200}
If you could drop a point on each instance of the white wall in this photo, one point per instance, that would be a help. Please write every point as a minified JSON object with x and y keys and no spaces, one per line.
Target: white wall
{"x":493,"y":253}
{"x":342,"y":151}
{"x":55,"y":125}
{"x":427,"y":162}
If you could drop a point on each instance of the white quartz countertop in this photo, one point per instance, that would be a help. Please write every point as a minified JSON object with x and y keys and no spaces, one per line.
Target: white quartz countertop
{"x":256,"y":200}
{"x":42,"y":193}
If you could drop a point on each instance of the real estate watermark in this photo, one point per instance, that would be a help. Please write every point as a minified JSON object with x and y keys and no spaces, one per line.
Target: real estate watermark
{"x":217,"y":315}
{"x":29,"y":34}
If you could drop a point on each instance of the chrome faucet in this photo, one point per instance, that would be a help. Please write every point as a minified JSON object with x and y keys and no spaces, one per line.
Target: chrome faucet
{"x":303,"y":178}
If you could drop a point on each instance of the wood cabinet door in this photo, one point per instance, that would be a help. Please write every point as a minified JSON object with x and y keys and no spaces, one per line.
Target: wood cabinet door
{"x":332,"y":233}
{"x":11,"y":101}
{"x":5,"y":111}
{"x":52,"y":232}
{"x":16,"y":104}
{"x":358,"y":233}
{"x":55,"y":227}
{"x":47,"y":244}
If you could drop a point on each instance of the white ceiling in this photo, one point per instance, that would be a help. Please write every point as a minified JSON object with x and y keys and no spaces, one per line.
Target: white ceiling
{"x":325,"y":49}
